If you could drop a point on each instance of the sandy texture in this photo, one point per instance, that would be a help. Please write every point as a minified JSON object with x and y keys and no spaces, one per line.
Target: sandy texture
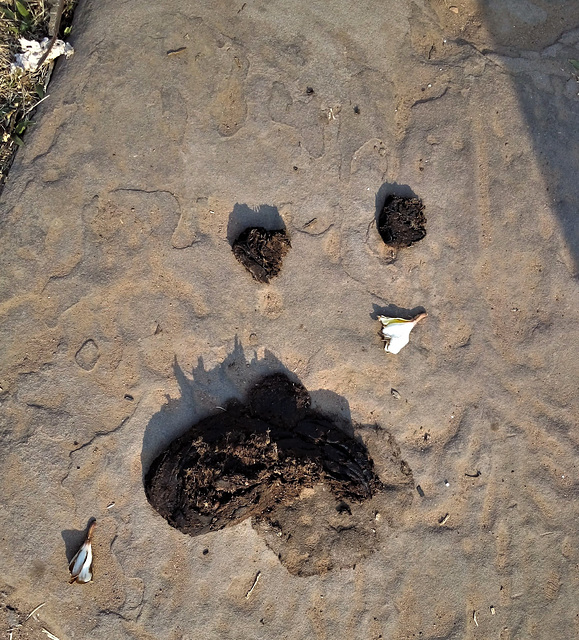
{"x":125,"y":316}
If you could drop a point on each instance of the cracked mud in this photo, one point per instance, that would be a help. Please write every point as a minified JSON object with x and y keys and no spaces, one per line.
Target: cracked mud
{"x":261,"y":251}
{"x":402,"y":222}
{"x":306,"y":483}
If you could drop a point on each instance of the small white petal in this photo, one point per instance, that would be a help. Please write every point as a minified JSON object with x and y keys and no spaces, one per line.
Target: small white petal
{"x":396,"y":331}
{"x":78,"y":561}
{"x":80,"y":566}
{"x":85,"y":574}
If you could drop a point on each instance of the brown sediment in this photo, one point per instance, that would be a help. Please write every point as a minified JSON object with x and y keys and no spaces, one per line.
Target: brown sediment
{"x":253,"y":457}
{"x":261,"y":251}
{"x":402,"y":222}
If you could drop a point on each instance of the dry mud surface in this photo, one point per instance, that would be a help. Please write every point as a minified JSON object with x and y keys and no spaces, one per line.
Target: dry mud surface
{"x":125,"y":317}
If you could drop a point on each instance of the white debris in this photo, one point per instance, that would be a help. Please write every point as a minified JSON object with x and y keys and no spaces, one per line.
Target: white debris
{"x":80,"y":566}
{"x":396,"y":331}
{"x":32,"y":52}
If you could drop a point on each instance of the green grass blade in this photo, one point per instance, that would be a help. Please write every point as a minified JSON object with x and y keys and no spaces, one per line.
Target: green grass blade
{"x":7,"y":13}
{"x":22,"y":10}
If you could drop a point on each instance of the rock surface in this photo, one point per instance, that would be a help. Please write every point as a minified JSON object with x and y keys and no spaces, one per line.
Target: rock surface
{"x":115,"y":231}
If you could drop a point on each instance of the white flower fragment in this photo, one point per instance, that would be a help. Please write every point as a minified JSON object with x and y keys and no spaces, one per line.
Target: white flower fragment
{"x":32,"y":52}
{"x":396,"y":331}
{"x":80,"y":566}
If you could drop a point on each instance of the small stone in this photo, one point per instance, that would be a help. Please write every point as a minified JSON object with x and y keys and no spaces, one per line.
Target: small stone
{"x":454,"y":9}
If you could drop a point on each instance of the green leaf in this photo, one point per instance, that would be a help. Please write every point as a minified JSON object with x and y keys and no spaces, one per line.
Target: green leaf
{"x":68,"y":31}
{"x":22,"y":126}
{"x":575,"y":63}
{"x":22,"y":10}
{"x":18,"y":140}
{"x":39,"y":91}
{"x":7,"y":13}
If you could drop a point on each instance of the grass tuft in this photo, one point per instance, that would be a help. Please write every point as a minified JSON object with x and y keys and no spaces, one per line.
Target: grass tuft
{"x":20,"y":93}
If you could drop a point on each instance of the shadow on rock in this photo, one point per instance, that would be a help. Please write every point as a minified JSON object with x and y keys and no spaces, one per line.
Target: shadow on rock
{"x":243,"y":216}
{"x":73,"y":539}
{"x":264,"y":452}
{"x":206,"y":392}
{"x":394,"y":311}
{"x":390,"y":189}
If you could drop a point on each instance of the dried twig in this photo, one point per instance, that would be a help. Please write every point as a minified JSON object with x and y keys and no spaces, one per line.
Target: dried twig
{"x":444,"y":519}
{"x":35,"y":105}
{"x":254,"y":584}
{"x":34,"y":611}
{"x":55,"y":33}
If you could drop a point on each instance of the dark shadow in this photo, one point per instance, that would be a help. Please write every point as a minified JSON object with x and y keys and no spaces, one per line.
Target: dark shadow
{"x":212,"y":391}
{"x":209,"y":391}
{"x":391,"y":189}
{"x":393,"y":311}
{"x":243,"y":216}
{"x":334,"y":405}
{"x":73,"y":539}
{"x":532,"y":36}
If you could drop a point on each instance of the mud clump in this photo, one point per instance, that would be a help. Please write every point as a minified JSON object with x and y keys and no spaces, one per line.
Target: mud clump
{"x":254,"y":457}
{"x":401,"y":222}
{"x":261,"y":251}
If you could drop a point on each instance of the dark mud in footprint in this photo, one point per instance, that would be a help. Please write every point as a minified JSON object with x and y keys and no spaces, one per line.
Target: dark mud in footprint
{"x":310,"y":488}
{"x":261,"y":251}
{"x":401,"y":221}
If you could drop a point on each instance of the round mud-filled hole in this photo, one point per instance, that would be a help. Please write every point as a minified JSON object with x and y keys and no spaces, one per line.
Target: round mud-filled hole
{"x":402,"y":222}
{"x":262,"y":251}
{"x":310,"y":489}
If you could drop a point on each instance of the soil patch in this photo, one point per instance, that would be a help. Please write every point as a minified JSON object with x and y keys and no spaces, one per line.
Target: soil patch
{"x":308,"y":486}
{"x":402,"y":221}
{"x":261,"y":251}
{"x":244,"y":461}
